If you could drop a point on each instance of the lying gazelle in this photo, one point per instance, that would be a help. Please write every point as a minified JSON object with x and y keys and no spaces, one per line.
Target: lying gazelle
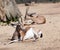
{"x":26,"y":33}
{"x":36,"y":18}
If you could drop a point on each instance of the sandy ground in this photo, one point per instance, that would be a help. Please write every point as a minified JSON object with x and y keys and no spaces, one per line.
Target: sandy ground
{"x":51,"y":30}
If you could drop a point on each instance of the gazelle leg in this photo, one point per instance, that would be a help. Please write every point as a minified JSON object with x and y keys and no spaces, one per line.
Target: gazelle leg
{"x":19,"y":37}
{"x":34,"y":38}
{"x":13,"y":37}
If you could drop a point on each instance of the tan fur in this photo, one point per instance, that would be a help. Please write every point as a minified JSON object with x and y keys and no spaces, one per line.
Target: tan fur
{"x":23,"y":32}
{"x":19,"y":32}
{"x":36,"y":18}
{"x":39,"y":19}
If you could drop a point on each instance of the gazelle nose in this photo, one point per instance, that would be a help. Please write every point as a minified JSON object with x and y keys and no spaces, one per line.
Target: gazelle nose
{"x":41,"y":35}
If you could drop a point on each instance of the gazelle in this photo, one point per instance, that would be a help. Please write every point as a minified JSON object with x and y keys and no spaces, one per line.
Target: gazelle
{"x":36,"y":18}
{"x":26,"y":33}
{"x":19,"y":32}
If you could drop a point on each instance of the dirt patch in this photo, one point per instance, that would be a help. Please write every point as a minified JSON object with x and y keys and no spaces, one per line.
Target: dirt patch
{"x":51,"y":30}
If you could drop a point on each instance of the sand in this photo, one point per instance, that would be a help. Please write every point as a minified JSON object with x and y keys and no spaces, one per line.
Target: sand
{"x":51,"y":29}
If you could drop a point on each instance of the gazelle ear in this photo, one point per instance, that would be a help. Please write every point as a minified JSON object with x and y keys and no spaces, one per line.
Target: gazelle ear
{"x":27,"y":9}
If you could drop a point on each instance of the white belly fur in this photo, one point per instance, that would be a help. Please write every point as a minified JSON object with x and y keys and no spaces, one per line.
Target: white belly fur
{"x":29,"y":34}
